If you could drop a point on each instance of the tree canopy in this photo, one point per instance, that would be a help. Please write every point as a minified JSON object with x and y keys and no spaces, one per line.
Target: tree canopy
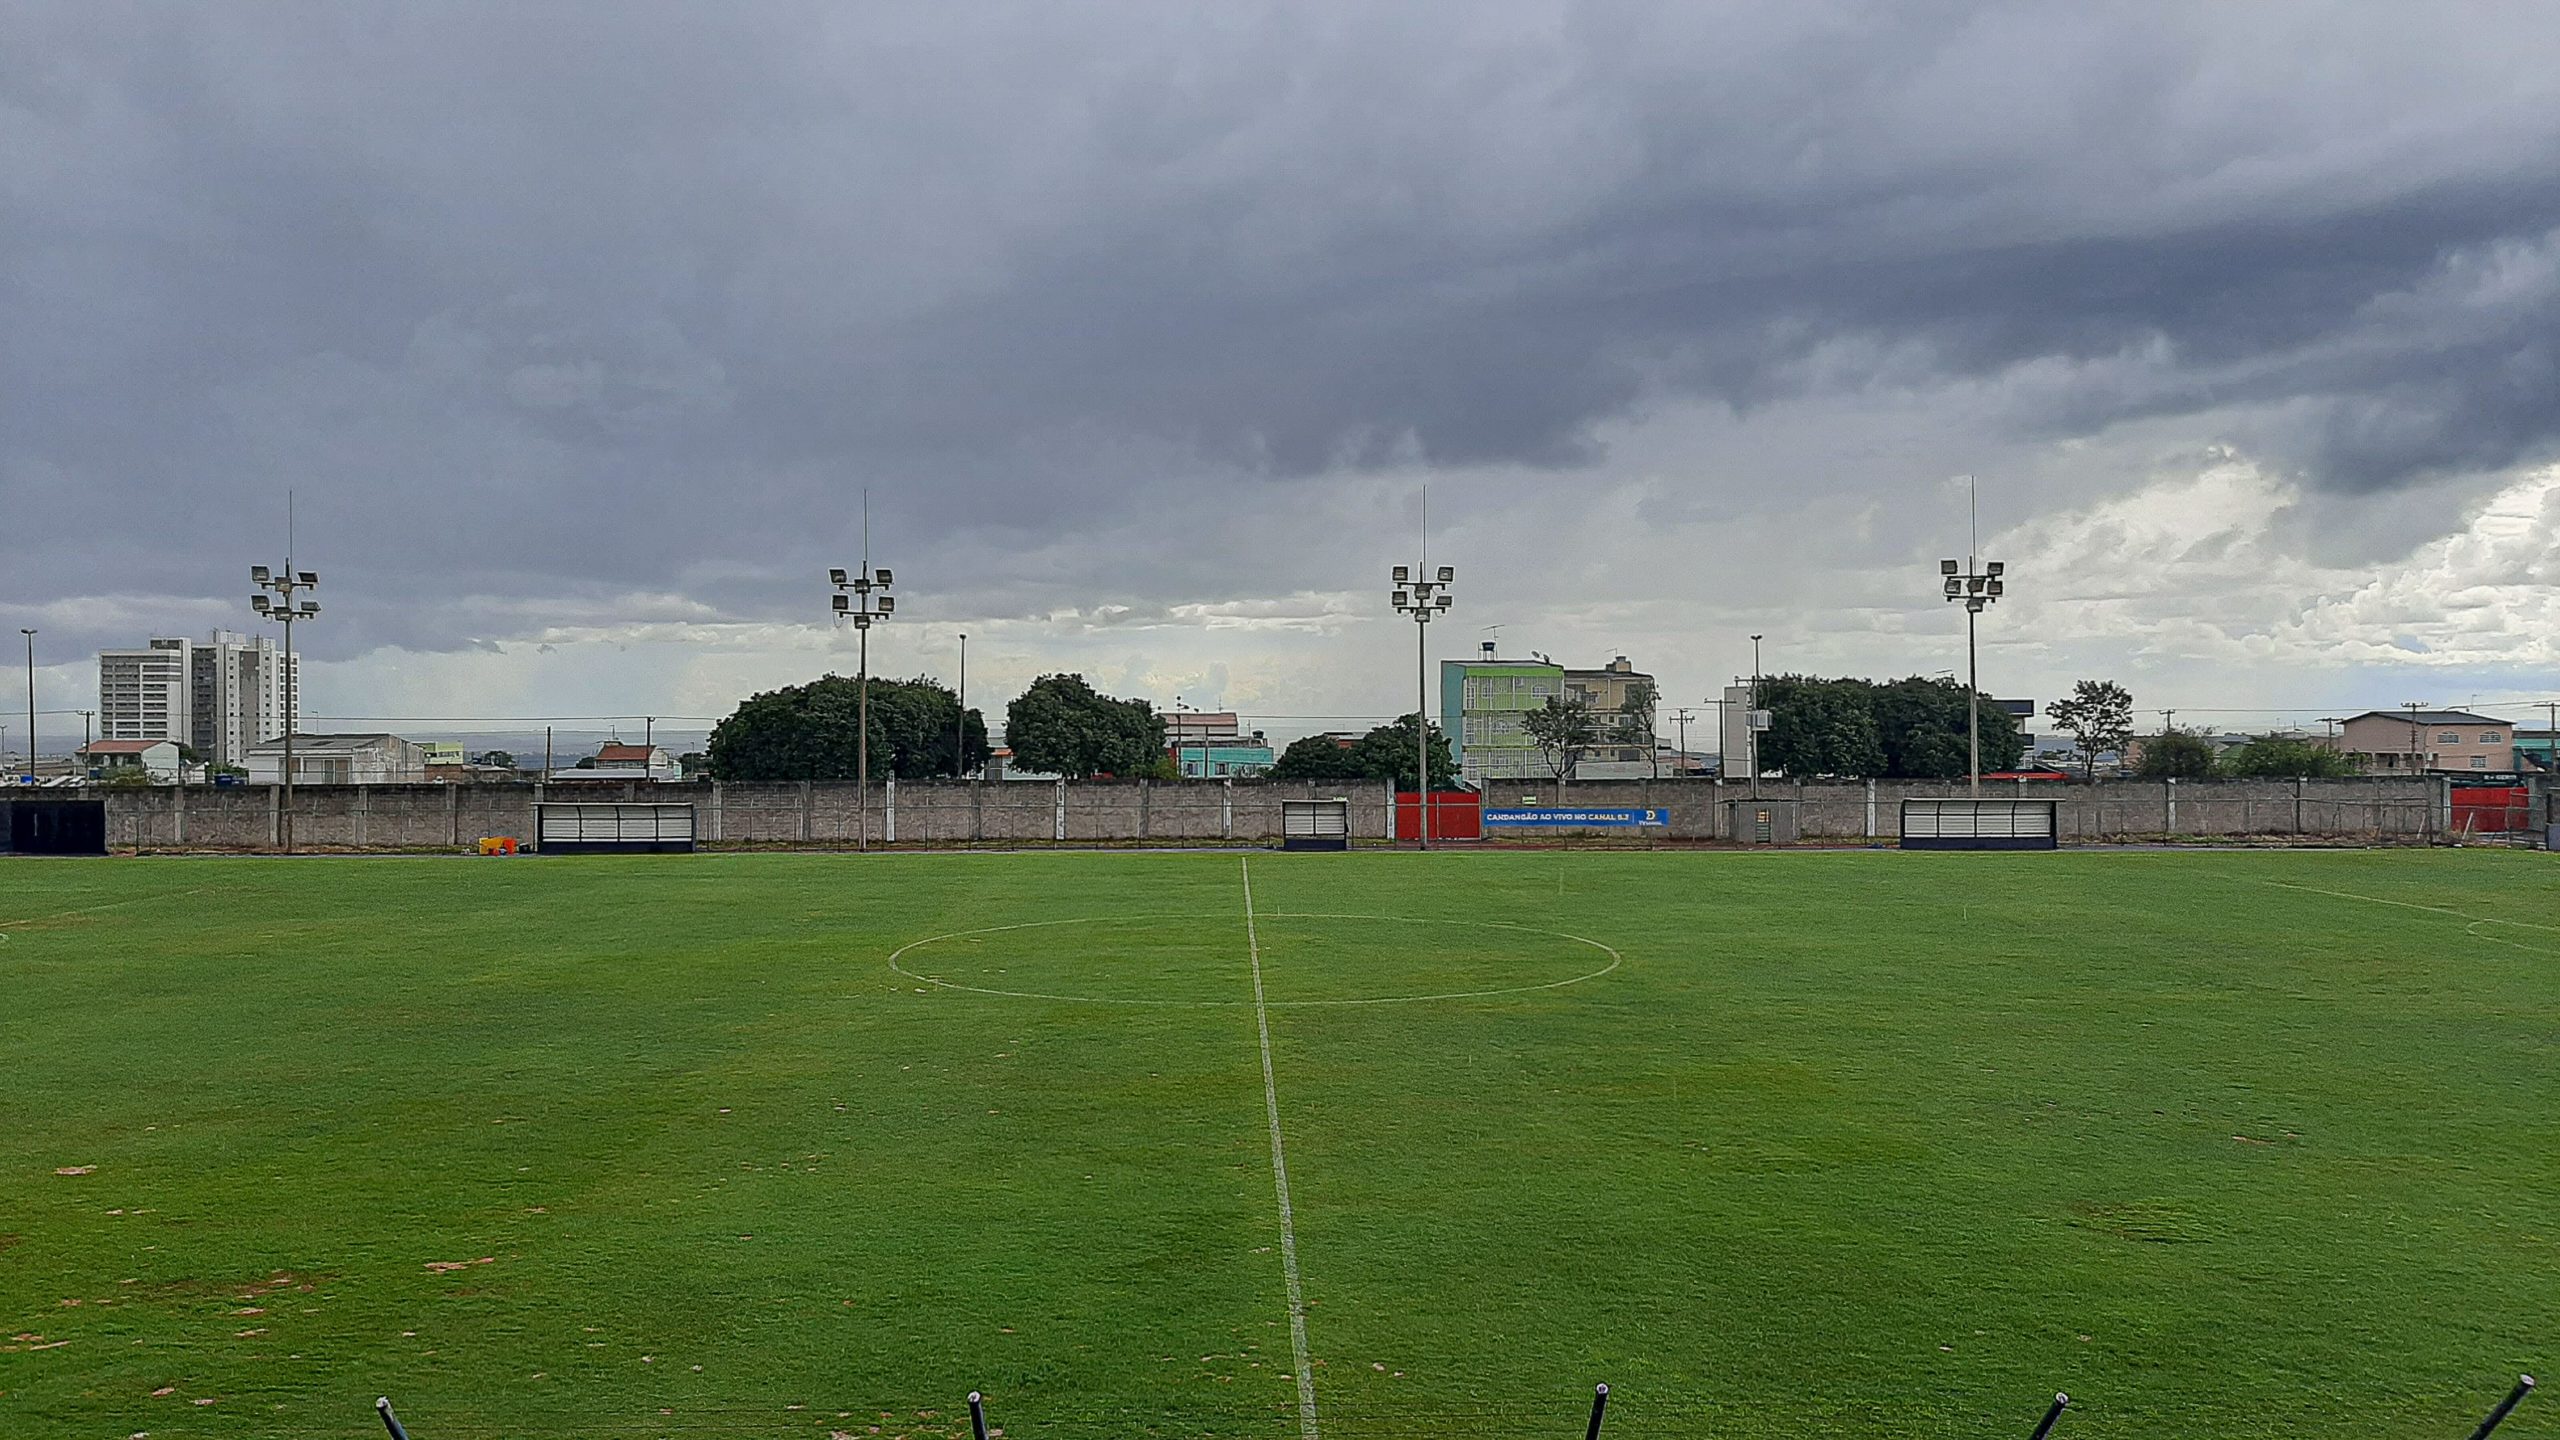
{"x":1315,"y":757}
{"x":2098,"y":716}
{"x":1856,"y":729}
{"x":1063,"y":726}
{"x":812,"y":732}
{"x":1385,"y":753}
{"x":2287,"y":757}
{"x":2175,"y":755}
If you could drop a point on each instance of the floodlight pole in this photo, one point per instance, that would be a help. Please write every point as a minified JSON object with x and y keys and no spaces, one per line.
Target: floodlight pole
{"x":1422,"y":593}
{"x":863,"y":598}
{"x":285,"y":610}
{"x":31,"y":700}
{"x":1978,"y":583}
{"x":960,"y":726}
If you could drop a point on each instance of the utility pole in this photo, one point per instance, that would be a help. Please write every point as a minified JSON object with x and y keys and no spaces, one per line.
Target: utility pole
{"x":1680,"y":717}
{"x":1751,"y":720}
{"x":1978,"y":584}
{"x":960,"y":726}
{"x":284,"y":609}
{"x":2417,"y":750}
{"x":863,"y":599}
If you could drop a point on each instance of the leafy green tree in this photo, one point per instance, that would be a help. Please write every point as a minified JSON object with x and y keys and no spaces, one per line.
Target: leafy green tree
{"x":1564,"y":730}
{"x":2176,"y":755}
{"x":499,"y":758}
{"x":1912,"y":729}
{"x":1315,"y":757}
{"x":1820,"y":727}
{"x":812,"y":732}
{"x":2286,"y":757}
{"x":2098,"y":717}
{"x":1387,"y":753}
{"x":1921,"y":723}
{"x":1066,"y":727}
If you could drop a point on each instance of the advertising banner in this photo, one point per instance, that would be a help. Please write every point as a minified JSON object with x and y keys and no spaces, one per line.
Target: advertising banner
{"x":1557,"y":817}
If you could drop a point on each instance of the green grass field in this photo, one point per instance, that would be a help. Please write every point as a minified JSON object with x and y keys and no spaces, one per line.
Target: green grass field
{"x":1781,"y":1144}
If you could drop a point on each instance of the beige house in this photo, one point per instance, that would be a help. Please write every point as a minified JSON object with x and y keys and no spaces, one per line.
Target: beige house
{"x":2401,"y":741}
{"x":1606,"y":690}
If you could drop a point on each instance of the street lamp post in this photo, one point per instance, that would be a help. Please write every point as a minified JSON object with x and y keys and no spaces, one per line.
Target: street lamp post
{"x":283,"y":585}
{"x":1978,"y":584}
{"x":31,"y":702}
{"x":863,"y":598}
{"x":1422,"y":593}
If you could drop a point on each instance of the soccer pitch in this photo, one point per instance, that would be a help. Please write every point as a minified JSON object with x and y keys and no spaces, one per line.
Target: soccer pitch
{"x":2231,"y":1144}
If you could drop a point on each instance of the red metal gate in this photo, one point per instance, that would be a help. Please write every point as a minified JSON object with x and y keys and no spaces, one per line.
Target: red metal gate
{"x":2491,"y":810}
{"x":1455,"y":815}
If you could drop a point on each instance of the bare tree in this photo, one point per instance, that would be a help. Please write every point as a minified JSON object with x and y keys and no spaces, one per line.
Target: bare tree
{"x":1564,"y":731}
{"x":1636,"y":723}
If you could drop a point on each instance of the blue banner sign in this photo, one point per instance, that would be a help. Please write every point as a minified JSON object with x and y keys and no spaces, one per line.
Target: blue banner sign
{"x":1558,"y":818}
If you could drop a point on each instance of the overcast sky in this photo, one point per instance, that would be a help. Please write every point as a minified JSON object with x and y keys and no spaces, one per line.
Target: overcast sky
{"x":578,"y":331}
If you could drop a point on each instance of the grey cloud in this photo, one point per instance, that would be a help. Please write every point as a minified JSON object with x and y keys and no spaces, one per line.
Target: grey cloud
{"x":582,"y":301}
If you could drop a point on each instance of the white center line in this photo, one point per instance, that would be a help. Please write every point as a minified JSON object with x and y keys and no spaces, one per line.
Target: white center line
{"x":1280,"y":1179}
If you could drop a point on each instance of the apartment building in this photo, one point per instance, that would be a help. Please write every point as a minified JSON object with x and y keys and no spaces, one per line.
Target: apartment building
{"x":220,"y":696}
{"x":1481,"y":705}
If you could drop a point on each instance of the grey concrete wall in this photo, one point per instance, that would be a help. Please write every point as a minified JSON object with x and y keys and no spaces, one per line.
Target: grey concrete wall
{"x":330,"y":817}
{"x":2387,"y":808}
{"x":2395,"y":809}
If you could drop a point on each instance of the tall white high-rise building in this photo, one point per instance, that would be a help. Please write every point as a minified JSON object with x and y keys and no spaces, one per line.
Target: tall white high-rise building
{"x":218,"y":696}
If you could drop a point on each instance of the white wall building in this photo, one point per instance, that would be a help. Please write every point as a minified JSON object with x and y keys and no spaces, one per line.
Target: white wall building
{"x":340,"y":760}
{"x":219,"y":696}
{"x":156,"y":758}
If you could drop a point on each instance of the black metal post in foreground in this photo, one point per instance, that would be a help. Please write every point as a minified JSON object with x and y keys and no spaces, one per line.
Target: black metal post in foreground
{"x":390,"y":1422}
{"x":1599,"y":1404}
{"x":2497,"y":1417}
{"x":977,"y":1416}
{"x":2044,"y":1427}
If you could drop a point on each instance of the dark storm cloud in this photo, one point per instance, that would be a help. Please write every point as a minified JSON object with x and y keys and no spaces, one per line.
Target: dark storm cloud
{"x":575,"y":300}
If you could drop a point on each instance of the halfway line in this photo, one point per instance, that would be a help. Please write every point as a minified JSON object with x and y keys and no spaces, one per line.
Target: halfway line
{"x":1280,"y":1179}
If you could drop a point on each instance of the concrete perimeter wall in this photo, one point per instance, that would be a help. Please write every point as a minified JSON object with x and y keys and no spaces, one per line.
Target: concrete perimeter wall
{"x":2400,"y":810}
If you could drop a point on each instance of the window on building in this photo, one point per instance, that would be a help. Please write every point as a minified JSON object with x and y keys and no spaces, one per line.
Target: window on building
{"x":2488,"y":737}
{"x":2479,"y":762}
{"x":2449,"y":737}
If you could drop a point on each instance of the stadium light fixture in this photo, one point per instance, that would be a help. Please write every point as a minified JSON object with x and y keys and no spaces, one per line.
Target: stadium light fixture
{"x":282,"y":597}
{"x":1977,"y":590}
{"x":1979,"y":584}
{"x":862,"y":596}
{"x":1423,"y":600}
